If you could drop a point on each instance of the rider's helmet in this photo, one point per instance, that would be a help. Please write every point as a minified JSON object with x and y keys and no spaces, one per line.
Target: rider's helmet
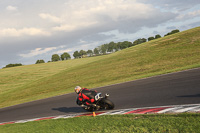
{"x":77,"y":89}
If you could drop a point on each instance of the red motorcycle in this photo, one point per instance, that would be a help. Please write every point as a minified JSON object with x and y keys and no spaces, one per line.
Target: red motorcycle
{"x":100,"y":103}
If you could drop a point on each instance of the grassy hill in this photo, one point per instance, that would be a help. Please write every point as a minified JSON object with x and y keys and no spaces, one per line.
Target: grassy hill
{"x":172,"y":53}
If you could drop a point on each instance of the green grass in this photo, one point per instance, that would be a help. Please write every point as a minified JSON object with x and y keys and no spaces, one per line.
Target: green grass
{"x":172,"y":53}
{"x":162,"y":123}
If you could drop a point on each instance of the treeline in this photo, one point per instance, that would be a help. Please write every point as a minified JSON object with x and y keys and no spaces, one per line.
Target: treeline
{"x":100,"y":50}
{"x":106,"y":48}
{"x":172,"y":32}
{"x":56,"y":57}
{"x":113,"y":47}
{"x":13,"y":65}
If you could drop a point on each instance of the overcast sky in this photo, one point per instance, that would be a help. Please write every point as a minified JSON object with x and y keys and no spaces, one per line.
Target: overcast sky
{"x":37,"y":29}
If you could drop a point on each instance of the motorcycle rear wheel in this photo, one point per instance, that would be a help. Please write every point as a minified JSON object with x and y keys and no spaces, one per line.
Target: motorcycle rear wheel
{"x":107,"y":104}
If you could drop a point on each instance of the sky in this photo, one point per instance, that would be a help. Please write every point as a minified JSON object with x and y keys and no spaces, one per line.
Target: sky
{"x":32,"y":30}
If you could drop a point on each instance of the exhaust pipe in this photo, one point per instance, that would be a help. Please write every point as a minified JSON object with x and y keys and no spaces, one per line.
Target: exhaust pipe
{"x":106,"y":96}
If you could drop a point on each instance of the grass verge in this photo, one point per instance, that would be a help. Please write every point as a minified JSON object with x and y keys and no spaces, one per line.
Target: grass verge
{"x":174,"y":123}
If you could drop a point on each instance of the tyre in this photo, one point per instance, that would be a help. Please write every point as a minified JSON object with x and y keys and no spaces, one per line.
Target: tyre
{"x":107,"y":104}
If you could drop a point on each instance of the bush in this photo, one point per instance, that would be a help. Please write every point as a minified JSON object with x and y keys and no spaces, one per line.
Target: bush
{"x":172,"y":32}
{"x":157,"y":36}
{"x":151,"y":38}
{"x":39,"y":61}
{"x":13,"y":65}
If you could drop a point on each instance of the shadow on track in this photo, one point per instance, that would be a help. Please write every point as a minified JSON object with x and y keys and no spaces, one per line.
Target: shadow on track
{"x":196,"y":95}
{"x":69,"y":109}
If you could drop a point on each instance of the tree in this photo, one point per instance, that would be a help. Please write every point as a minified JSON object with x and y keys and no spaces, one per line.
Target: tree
{"x":82,"y":53}
{"x":55,"y":57}
{"x":42,"y":61}
{"x":96,"y":51}
{"x":119,"y":45}
{"x":144,"y":40}
{"x":76,"y":54}
{"x":139,"y":41}
{"x":157,"y":36}
{"x":116,"y":47}
{"x":39,"y":61}
{"x":65,"y":56}
{"x":136,"y":42}
{"x":111,"y":46}
{"x":151,"y":38}
{"x":125,"y":44}
{"x":167,"y":34}
{"x":90,"y":53}
{"x":103,"y":49}
{"x":175,"y":31}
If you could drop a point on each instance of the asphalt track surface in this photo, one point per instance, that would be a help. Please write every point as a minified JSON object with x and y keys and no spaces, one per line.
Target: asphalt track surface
{"x":169,"y":89}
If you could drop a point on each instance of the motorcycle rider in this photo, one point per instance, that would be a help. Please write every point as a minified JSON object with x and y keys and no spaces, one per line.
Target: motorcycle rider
{"x":85,"y":96}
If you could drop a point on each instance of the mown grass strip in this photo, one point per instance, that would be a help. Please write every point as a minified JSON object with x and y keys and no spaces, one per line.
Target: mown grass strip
{"x":176,"y":123}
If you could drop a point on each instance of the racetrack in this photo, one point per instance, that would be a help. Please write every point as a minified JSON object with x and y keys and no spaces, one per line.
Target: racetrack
{"x":170,"y":89}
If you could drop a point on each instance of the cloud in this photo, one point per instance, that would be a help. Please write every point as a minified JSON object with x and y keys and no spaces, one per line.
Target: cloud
{"x":73,"y":26}
{"x":37,"y":51}
{"x":63,"y":51}
{"x":188,"y":15}
{"x":172,"y":5}
{"x":30,"y":28}
{"x":171,"y":28}
{"x":194,"y":24}
{"x":50,"y":17}
{"x":194,"y":13}
{"x":11,"y":8}
{"x":108,"y":15}
{"x":93,"y":16}
{"x":12,"y":32}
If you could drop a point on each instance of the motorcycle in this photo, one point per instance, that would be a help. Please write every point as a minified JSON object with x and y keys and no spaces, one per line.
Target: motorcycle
{"x":100,"y":103}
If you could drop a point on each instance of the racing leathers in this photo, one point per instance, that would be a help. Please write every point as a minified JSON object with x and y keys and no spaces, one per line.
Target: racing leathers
{"x":86,"y":97}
